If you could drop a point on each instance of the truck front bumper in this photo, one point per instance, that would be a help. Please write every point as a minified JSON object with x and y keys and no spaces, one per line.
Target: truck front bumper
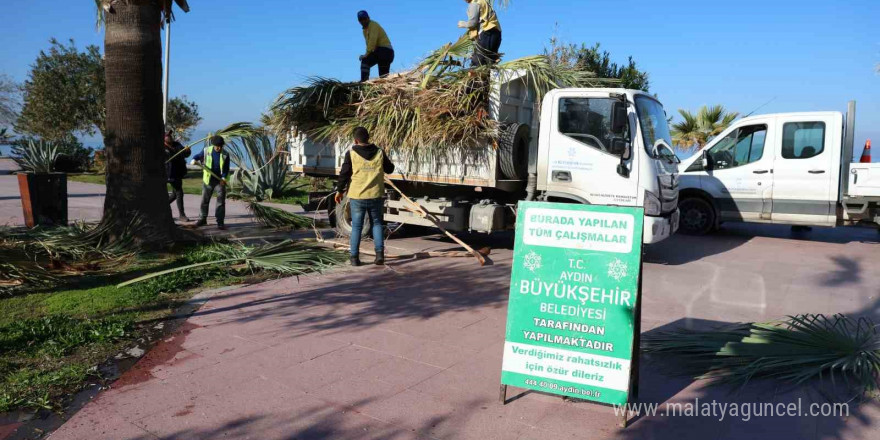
{"x":658,"y":229}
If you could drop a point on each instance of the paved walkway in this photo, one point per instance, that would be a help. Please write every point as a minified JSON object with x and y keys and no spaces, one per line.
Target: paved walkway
{"x":86,"y":202}
{"x":413,"y":350}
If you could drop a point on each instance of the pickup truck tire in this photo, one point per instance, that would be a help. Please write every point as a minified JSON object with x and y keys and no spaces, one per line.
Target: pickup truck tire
{"x":697,"y":216}
{"x":342,"y":215}
{"x":513,"y":151}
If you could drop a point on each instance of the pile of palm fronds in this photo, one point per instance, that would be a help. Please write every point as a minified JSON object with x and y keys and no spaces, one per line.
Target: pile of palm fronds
{"x":796,"y":350}
{"x":440,"y":106}
{"x":285,"y":258}
{"x":278,"y":218}
{"x":35,"y":257}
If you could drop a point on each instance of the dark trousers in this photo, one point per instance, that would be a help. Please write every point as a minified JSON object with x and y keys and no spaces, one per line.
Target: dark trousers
{"x":220,"y":209}
{"x":383,"y":56}
{"x":360,"y":209}
{"x":177,"y":194}
{"x":486,"y":49}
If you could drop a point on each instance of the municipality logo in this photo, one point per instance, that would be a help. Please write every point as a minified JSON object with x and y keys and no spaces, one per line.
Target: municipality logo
{"x":617,"y":269}
{"x":532,"y":261}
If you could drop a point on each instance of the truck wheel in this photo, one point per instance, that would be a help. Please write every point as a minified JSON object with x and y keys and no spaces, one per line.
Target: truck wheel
{"x":513,"y":151}
{"x":342,"y":214}
{"x":697,"y":216}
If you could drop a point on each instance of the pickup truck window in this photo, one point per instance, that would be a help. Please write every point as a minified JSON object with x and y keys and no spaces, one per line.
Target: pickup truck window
{"x":803,"y":140}
{"x":742,"y":147}
{"x":588,"y":121}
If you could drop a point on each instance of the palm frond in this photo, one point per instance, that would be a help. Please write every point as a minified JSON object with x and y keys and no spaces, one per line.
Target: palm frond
{"x":802,"y":348}
{"x":286,"y":258}
{"x":278,"y":218}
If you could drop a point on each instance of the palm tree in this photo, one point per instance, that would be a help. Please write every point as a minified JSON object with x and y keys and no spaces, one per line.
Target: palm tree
{"x":695,"y":131}
{"x":136,"y":188}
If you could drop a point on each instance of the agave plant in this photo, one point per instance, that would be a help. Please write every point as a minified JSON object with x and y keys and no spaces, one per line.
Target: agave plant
{"x":285,"y":258}
{"x":262,"y":168}
{"x":802,"y":348}
{"x":36,"y":156}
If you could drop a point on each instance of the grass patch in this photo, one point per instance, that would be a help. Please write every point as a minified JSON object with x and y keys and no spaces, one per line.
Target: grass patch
{"x":52,"y":341}
{"x":297,"y":194}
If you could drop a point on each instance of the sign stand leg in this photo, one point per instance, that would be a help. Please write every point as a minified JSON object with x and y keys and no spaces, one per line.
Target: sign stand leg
{"x":503,"y":394}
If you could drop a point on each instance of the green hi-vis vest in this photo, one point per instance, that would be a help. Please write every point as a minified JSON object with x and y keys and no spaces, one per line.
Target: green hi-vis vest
{"x":488,"y":18}
{"x":367,"y":177}
{"x":209,"y":162}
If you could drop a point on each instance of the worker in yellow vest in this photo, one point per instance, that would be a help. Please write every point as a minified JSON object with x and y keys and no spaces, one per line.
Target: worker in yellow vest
{"x":363,"y":175}
{"x":485,"y":29}
{"x":214,"y":171}
{"x":379,"y":50}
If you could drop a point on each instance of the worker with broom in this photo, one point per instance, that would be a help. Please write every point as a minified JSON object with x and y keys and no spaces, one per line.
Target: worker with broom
{"x":379,"y":50}
{"x":485,"y":29}
{"x":363,"y":175}
{"x":215,"y":168}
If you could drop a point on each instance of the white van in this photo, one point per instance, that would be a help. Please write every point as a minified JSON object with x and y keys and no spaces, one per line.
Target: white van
{"x":788,"y":168}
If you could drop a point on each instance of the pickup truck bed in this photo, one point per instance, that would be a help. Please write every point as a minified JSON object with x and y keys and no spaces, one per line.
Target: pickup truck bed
{"x":864,"y":180}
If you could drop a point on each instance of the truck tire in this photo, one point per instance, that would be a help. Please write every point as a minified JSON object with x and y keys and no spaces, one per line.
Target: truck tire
{"x":697,"y":216}
{"x":342,"y":215}
{"x":513,"y":151}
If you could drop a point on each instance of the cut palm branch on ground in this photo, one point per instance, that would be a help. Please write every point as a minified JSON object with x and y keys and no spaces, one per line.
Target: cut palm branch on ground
{"x":438,"y":107}
{"x":288,"y":258}
{"x":794,"y":351}
{"x":278,"y":218}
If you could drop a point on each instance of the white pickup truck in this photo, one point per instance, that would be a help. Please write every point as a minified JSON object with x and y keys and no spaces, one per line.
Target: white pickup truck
{"x":789,"y":168}
{"x":590,"y":146}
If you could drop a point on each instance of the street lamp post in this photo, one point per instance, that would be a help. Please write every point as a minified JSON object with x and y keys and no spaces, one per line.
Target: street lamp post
{"x":167,"y":62}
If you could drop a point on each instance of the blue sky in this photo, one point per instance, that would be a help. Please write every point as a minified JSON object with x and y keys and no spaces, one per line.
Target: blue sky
{"x":233,"y":60}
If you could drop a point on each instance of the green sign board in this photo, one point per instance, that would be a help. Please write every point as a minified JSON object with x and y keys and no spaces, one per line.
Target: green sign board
{"x":573,"y":293}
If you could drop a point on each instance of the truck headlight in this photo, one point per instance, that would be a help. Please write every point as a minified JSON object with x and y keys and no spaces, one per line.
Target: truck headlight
{"x":652,"y":204}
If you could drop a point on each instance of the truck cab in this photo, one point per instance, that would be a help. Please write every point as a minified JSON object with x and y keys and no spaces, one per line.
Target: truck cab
{"x":609,"y":147}
{"x":788,"y":168}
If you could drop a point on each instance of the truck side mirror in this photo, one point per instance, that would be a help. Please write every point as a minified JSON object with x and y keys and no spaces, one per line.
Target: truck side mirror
{"x":707,"y":164}
{"x":619,"y":118}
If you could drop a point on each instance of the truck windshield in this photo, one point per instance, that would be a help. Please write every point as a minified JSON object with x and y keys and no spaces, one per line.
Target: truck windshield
{"x":652,"y":118}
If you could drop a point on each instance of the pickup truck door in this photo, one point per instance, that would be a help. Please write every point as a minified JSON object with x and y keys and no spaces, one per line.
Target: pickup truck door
{"x":806,"y":170}
{"x":582,"y":162}
{"x":740,"y":175}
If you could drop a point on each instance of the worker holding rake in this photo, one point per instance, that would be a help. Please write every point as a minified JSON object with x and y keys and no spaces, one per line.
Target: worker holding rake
{"x":215,"y":168}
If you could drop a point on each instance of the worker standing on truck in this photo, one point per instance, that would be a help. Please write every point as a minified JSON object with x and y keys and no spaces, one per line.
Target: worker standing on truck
{"x":485,"y":29}
{"x":379,"y":50}
{"x":214,"y":171}
{"x":363,"y":174}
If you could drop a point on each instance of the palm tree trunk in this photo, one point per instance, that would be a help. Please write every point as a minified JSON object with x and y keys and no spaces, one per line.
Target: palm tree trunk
{"x":136,"y":181}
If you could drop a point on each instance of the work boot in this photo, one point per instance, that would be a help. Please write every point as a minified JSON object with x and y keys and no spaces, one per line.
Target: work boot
{"x":221,"y":227}
{"x":380,"y":258}
{"x":183,"y":218}
{"x":355,"y":260}
{"x":201,"y":222}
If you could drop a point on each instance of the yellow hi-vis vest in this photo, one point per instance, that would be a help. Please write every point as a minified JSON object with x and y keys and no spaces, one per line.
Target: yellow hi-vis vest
{"x":375,"y":37}
{"x":209,"y":162}
{"x":367,"y":177}
{"x":488,"y":18}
